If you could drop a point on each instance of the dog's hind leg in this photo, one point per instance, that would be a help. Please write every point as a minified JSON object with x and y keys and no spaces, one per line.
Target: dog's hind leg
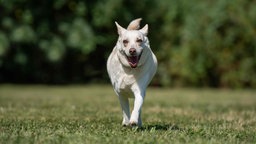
{"x":124,"y":102}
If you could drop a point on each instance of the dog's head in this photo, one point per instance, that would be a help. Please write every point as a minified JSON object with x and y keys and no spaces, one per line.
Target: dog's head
{"x":131,"y":43}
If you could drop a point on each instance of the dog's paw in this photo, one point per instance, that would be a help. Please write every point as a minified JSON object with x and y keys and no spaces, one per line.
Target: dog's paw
{"x":125,"y":124}
{"x":133,"y":124}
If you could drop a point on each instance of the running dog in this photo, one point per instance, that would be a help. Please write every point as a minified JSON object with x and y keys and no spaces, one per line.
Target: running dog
{"x":131,"y":66}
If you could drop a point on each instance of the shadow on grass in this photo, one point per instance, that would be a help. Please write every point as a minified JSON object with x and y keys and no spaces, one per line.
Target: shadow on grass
{"x":161,"y":127}
{"x":158,"y":127}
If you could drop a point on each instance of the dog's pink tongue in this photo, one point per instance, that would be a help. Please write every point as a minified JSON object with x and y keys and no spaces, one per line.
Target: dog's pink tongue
{"x":133,"y":61}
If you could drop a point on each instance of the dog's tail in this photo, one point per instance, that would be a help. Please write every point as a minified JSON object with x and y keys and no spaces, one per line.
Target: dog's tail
{"x":135,"y":24}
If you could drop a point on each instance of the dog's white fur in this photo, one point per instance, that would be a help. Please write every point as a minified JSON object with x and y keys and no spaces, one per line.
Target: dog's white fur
{"x":130,"y":78}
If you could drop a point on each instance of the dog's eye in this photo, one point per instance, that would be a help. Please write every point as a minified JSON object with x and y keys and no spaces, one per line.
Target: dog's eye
{"x":139,"y":40}
{"x":125,"y":42}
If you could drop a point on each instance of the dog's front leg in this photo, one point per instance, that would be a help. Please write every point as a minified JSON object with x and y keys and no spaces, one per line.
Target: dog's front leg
{"x":124,"y":102}
{"x":136,"y":113}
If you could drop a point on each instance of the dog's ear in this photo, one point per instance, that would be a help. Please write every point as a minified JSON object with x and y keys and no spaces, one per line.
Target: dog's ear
{"x":120,"y":29}
{"x":144,"y":30}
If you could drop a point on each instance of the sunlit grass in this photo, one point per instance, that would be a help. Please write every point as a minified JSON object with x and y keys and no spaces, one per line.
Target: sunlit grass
{"x":92,"y":114}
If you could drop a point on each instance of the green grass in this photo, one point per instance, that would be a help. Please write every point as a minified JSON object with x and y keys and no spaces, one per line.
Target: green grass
{"x":92,"y":114}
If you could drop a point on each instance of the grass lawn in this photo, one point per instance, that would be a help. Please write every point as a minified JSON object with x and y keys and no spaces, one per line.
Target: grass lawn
{"x":92,"y":114}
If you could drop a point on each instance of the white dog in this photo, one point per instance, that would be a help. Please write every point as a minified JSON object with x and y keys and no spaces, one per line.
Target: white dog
{"x":131,"y":66}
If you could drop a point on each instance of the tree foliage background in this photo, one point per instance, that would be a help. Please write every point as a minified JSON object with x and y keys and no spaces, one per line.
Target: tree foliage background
{"x":197,"y":42}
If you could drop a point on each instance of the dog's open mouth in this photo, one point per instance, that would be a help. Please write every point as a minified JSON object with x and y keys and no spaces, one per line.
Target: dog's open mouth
{"x":133,"y":60}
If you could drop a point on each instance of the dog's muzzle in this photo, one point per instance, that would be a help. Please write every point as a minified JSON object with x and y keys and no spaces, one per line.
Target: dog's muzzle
{"x":133,"y":60}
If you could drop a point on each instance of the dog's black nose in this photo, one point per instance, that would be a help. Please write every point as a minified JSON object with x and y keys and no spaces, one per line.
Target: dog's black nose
{"x":132,"y":51}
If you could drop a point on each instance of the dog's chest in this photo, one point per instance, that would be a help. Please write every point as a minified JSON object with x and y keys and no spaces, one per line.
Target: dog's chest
{"x":125,"y":79}
{"x":124,"y":84}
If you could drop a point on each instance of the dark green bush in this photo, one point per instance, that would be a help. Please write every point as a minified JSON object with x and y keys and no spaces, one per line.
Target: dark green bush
{"x":213,"y":44}
{"x":198,"y":43}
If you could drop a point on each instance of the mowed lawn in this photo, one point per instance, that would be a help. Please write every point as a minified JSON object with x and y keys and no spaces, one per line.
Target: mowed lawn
{"x":92,"y":114}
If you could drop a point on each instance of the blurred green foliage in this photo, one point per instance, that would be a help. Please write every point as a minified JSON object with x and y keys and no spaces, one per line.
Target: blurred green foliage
{"x":197,"y":43}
